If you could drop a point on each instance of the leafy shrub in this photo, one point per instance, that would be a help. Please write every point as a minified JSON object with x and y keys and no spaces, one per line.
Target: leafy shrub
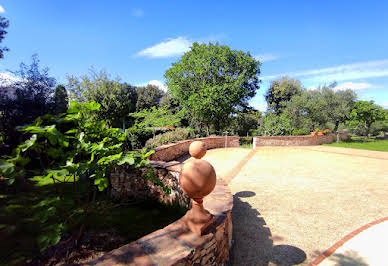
{"x":245,"y":140}
{"x":63,"y":148}
{"x":275,"y":125}
{"x":170,"y":137}
{"x":300,"y":132}
{"x":137,"y":137}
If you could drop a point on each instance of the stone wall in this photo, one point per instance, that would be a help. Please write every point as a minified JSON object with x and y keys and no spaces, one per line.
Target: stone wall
{"x":307,"y":140}
{"x":129,"y":182}
{"x":176,"y":245}
{"x":173,"y":151}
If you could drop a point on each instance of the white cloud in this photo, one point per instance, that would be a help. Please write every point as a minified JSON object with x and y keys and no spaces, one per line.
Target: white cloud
{"x":169,"y":48}
{"x":354,"y":86}
{"x":154,"y":82}
{"x":7,"y":79}
{"x":137,"y":12}
{"x":383,"y":104}
{"x":2,"y":10}
{"x":350,"y":85}
{"x":266,"y":57}
{"x":261,"y":106}
{"x":158,"y":84}
{"x":361,"y":70}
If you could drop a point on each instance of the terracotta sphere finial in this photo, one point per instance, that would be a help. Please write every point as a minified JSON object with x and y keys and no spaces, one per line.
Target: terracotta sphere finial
{"x":197,"y":180}
{"x":197,"y":149}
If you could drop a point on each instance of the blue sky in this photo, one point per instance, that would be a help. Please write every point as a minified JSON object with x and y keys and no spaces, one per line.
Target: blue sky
{"x":315,"y":41}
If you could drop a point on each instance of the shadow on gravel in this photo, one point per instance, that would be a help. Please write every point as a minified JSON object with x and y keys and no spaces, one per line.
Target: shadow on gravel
{"x":253,"y":241}
{"x":348,"y":258}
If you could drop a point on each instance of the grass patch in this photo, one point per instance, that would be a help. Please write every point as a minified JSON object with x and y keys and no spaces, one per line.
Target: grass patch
{"x":362,"y":143}
{"x":246,"y":142}
{"x":21,"y":222}
{"x":250,"y":146}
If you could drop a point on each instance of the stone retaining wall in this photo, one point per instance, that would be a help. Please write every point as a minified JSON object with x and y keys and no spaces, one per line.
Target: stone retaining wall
{"x":176,"y":245}
{"x":129,"y":182}
{"x":173,"y":151}
{"x":307,"y":140}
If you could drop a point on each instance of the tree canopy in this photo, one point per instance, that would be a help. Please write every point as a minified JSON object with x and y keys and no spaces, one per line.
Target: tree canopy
{"x":60,"y":100}
{"x":212,"y":81}
{"x":26,"y":98}
{"x":366,"y":113}
{"x":148,"y":97}
{"x":339,"y":104}
{"x":116,"y":99}
{"x":4,"y":23}
{"x":280,"y":92}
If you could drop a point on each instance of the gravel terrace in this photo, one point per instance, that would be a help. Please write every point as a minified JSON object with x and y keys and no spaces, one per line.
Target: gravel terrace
{"x":292,"y":203}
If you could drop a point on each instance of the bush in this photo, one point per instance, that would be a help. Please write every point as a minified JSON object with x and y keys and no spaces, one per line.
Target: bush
{"x":137,"y":137}
{"x":245,"y":141}
{"x":275,"y":125}
{"x":170,"y":137}
{"x":300,"y":132}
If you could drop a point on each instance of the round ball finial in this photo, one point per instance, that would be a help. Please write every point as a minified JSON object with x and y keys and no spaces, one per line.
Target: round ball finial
{"x":197,"y":149}
{"x":198,"y":179}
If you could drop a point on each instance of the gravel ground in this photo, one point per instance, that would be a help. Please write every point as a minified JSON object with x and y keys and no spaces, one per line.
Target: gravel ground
{"x":292,"y":203}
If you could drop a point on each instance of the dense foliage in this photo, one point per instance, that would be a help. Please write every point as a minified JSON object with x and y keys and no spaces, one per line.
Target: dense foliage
{"x":365,"y":113}
{"x":116,"y":99}
{"x":292,"y":109}
{"x":148,"y":97}
{"x":280,"y":92}
{"x":67,"y":148}
{"x":244,"y":122}
{"x":170,"y":137}
{"x":26,"y":98}
{"x":212,"y":81}
{"x":4,"y":23}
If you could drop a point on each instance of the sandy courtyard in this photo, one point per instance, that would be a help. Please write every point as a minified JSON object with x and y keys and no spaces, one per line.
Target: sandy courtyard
{"x":292,"y":203}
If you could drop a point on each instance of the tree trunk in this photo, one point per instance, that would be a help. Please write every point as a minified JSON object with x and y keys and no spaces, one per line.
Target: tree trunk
{"x":367,"y":126}
{"x":336,"y":126}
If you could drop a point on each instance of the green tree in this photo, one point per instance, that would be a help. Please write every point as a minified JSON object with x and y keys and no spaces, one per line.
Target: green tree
{"x":307,"y":110}
{"x":366,"y":113}
{"x":148,"y":97}
{"x":211,"y":82}
{"x":243,"y":122}
{"x":280,"y":92}
{"x":4,"y":23}
{"x":60,"y":101}
{"x":155,"y":117}
{"x":276,"y":125}
{"x":116,"y":99}
{"x":338,"y":104}
{"x":31,"y":97}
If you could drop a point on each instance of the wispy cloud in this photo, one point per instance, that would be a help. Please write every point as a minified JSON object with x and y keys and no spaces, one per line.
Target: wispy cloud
{"x":383,"y":104}
{"x":266,"y":57}
{"x":354,"y":86}
{"x":2,"y":10}
{"x":361,"y":70}
{"x":137,"y":12}
{"x":169,"y":48}
{"x":175,"y":46}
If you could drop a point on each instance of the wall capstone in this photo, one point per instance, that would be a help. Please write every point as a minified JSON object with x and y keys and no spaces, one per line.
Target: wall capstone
{"x":177,"y":245}
{"x":307,"y":140}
